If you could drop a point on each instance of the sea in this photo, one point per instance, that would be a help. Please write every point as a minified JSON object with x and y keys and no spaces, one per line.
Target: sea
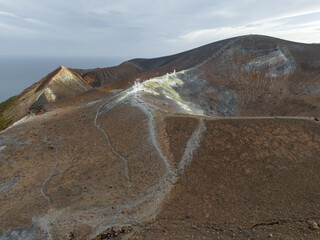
{"x":18,"y":73}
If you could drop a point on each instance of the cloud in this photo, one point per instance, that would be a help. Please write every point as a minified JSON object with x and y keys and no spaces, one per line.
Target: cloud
{"x":148,"y":28}
{"x":277,"y":26}
{"x":290,"y":15}
{"x":8,"y":14}
{"x":13,"y":24}
{"x":12,"y":31}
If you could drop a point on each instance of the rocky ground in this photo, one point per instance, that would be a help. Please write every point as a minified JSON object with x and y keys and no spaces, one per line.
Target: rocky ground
{"x":185,"y":155}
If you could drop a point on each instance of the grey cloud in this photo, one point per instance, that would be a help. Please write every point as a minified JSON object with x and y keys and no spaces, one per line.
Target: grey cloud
{"x":143,"y":28}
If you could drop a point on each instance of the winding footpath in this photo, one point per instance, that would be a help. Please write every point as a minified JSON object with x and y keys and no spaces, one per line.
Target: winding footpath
{"x":51,"y":172}
{"x":148,"y":202}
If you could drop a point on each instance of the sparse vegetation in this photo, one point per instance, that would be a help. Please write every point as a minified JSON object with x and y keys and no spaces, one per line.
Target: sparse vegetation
{"x":5,"y":121}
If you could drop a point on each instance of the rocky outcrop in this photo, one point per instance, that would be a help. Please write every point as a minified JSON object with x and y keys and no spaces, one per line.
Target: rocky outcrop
{"x":60,"y":84}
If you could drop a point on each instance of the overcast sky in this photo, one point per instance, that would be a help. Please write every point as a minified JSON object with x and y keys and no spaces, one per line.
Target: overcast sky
{"x":146,"y":28}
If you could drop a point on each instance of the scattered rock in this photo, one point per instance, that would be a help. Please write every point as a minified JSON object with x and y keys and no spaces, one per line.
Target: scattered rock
{"x":313,"y":225}
{"x":2,"y":148}
{"x":113,"y":233}
{"x":125,"y":211}
{"x":71,"y":236}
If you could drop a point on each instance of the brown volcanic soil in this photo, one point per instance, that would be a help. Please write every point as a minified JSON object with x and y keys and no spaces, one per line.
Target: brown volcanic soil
{"x":114,"y":163}
{"x":249,"y":179}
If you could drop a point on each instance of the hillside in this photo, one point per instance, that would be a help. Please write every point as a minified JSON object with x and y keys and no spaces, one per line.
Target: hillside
{"x":264,"y":76}
{"x":219,"y":142}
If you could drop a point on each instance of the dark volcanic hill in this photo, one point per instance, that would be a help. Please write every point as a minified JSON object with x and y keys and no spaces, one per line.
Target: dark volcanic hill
{"x":219,"y":142}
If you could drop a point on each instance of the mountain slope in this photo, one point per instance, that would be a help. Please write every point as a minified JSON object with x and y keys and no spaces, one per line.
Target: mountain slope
{"x":59,"y":84}
{"x":139,"y":163}
{"x":264,"y":75}
{"x":219,"y":142}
